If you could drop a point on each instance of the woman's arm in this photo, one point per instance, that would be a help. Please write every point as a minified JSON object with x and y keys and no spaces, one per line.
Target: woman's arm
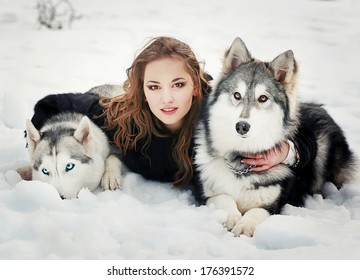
{"x":53,"y":104}
{"x":302,"y":153}
{"x":265,"y":161}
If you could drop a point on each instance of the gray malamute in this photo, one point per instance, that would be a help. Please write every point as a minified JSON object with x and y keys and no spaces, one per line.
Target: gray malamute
{"x":253,"y":108}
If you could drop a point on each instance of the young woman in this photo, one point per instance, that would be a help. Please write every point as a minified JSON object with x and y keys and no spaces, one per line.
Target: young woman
{"x":152,"y":123}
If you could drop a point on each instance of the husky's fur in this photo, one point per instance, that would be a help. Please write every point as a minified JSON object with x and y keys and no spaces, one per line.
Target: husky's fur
{"x":107,"y":90}
{"x":253,"y":108}
{"x":70,"y":152}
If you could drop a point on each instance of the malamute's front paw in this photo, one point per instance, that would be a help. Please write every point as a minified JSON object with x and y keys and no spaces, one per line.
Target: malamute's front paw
{"x":111,"y":179}
{"x":249,"y":221}
{"x":231,"y":221}
{"x":244,"y":227}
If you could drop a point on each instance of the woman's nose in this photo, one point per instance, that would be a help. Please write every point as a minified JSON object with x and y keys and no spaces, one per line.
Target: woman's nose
{"x":167,"y":96}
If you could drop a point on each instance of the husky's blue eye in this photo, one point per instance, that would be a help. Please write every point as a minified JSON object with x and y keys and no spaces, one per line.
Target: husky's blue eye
{"x":45,"y":171}
{"x":69,"y":166}
{"x":237,"y":95}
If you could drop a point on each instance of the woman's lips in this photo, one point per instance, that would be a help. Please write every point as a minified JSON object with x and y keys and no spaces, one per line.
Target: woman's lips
{"x":169,"y":111}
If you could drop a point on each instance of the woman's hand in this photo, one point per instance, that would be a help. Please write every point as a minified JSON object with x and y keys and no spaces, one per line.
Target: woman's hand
{"x":265,"y":161}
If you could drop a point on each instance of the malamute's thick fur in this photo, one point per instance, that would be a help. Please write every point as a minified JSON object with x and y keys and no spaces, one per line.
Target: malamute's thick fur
{"x":70,"y":152}
{"x":252,"y":109}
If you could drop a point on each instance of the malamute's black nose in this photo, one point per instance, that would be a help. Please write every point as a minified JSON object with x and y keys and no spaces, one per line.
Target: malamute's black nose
{"x":242,"y":127}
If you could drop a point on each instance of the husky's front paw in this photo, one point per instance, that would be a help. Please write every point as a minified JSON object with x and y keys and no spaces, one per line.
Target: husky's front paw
{"x":25,"y":173}
{"x":111,"y":179}
{"x":231,"y":221}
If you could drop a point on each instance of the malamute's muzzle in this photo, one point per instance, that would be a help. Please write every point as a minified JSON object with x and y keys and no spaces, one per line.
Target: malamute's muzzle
{"x":242,"y":127}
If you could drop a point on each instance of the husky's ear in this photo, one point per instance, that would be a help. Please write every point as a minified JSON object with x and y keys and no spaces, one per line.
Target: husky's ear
{"x":32,"y":136}
{"x":285,"y":69}
{"x":237,"y":54}
{"x":83,"y":133}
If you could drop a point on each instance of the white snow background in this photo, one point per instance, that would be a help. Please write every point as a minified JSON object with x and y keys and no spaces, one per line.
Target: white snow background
{"x":147,"y":220}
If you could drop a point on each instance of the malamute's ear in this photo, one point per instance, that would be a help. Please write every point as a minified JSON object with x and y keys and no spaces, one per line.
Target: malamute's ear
{"x":32,"y":136}
{"x":83,"y":133}
{"x":237,"y":54}
{"x":285,"y":69}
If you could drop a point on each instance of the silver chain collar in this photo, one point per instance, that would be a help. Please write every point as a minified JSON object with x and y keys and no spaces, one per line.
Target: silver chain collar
{"x":238,"y":172}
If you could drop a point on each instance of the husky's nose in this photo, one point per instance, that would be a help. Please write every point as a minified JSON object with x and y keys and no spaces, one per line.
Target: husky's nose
{"x":242,"y":127}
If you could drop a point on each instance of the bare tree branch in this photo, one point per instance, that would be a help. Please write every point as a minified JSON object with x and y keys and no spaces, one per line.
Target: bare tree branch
{"x":56,"y":16}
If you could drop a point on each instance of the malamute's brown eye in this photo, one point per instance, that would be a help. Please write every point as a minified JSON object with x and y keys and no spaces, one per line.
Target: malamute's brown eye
{"x":237,"y":95}
{"x":263,"y":98}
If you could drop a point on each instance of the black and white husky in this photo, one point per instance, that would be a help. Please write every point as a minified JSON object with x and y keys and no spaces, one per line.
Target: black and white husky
{"x":70,"y":152}
{"x":253,"y":108}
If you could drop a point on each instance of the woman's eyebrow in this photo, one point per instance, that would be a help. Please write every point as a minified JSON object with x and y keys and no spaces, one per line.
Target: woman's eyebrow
{"x":173,"y":81}
{"x":177,"y":79}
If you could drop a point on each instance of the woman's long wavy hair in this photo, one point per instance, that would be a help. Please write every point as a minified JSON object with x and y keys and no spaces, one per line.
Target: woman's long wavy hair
{"x":129,"y":114}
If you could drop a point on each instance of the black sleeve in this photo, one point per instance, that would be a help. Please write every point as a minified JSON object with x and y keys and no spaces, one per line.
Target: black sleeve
{"x":50,"y":105}
{"x":305,"y":143}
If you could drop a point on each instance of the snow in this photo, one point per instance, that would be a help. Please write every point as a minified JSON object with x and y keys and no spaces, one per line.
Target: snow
{"x":149,"y":220}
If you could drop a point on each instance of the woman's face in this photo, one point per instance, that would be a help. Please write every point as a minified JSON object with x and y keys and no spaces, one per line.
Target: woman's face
{"x":169,"y":91}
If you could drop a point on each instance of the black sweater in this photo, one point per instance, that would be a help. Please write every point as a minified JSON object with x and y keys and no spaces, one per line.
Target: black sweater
{"x":157,"y":163}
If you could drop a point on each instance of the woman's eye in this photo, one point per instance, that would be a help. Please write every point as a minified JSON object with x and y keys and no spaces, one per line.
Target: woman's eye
{"x":263,"y":98}
{"x":237,"y":95}
{"x":153,"y":87}
{"x":179,"y":85}
{"x":45,"y":171}
{"x":69,"y":167}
